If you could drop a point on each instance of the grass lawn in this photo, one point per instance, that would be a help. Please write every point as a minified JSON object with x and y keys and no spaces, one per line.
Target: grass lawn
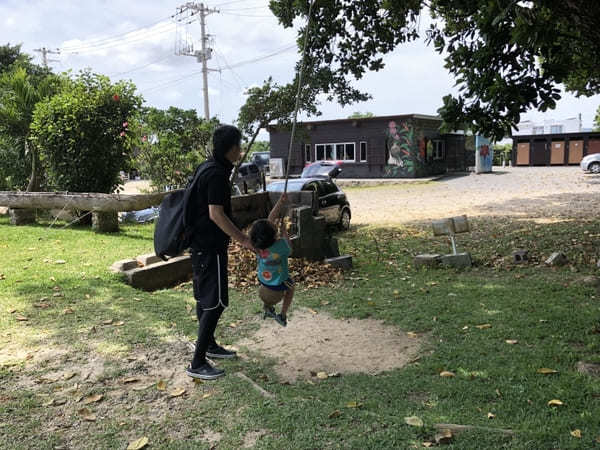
{"x":78,"y":313}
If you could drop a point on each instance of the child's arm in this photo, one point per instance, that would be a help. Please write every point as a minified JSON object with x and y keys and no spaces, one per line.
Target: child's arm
{"x":274,"y":215}
{"x":284,"y":234}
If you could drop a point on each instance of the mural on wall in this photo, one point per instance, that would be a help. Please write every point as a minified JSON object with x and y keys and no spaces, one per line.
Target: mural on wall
{"x":403,"y":156}
{"x":484,"y":155}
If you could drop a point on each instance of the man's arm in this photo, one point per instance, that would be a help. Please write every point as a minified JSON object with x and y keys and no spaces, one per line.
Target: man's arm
{"x":218,"y":216}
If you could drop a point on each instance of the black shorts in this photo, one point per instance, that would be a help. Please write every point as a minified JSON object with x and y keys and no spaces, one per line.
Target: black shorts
{"x":210,"y":279}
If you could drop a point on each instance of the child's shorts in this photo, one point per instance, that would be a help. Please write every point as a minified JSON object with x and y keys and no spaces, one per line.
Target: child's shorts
{"x":285,"y":286}
{"x":271,"y":295}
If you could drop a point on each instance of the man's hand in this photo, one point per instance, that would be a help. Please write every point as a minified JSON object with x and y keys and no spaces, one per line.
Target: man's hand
{"x":247,"y":243}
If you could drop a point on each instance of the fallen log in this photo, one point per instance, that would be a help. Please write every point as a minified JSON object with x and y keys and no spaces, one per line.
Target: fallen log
{"x":81,"y":201}
{"x":456,"y":428}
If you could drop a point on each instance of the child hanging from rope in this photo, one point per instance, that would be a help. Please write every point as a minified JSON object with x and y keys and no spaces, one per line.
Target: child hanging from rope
{"x":273,"y":251}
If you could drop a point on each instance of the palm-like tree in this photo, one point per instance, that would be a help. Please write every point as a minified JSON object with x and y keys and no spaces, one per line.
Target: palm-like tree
{"x":19,"y":94}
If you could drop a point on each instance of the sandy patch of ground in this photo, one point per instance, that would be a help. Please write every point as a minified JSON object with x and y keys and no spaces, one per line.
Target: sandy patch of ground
{"x":520,"y":192}
{"x":320,"y":343}
{"x":252,"y":437}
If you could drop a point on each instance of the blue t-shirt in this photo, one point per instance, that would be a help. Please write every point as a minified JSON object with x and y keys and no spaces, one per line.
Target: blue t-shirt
{"x":273,"y":263}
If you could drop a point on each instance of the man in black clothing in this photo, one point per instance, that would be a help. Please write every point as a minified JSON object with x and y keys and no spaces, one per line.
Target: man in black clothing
{"x":210,"y":211}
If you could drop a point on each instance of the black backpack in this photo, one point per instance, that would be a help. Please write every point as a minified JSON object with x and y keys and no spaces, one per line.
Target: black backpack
{"x":173,"y":231}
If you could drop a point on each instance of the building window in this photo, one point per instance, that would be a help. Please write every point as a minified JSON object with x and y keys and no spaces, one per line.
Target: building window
{"x":363,"y":152}
{"x":343,"y":151}
{"x":538,"y":130}
{"x":438,"y":150}
{"x":307,"y":152}
{"x":556,"y":129}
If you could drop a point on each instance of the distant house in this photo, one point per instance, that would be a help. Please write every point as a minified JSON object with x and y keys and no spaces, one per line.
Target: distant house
{"x":402,"y":146}
{"x":549,"y":126}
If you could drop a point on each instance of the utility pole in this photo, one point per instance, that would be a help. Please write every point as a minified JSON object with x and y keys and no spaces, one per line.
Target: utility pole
{"x":186,"y":15}
{"x":45,"y":52}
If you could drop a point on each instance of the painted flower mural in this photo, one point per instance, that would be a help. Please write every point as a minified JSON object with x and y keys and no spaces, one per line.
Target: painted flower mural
{"x":403,"y":155}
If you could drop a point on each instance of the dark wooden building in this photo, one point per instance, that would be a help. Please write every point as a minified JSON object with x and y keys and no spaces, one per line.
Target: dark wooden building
{"x":554,"y":149}
{"x":404,"y":146}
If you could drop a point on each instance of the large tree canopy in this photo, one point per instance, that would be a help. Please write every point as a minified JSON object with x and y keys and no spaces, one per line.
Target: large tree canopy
{"x":507,"y":56}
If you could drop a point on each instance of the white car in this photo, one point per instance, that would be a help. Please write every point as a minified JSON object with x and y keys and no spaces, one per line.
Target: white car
{"x":591,"y":163}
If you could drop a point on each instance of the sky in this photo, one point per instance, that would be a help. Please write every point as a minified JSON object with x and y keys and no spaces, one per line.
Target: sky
{"x":136,"y":40}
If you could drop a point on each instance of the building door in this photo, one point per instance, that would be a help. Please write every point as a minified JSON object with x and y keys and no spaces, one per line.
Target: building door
{"x":540,"y":155}
{"x":523,"y":154}
{"x":575,"y":152}
{"x":593,"y":146}
{"x":557,"y":154}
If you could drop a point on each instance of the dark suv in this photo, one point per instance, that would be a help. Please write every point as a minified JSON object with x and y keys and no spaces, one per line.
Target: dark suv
{"x":333,"y":204}
{"x":261,"y":159}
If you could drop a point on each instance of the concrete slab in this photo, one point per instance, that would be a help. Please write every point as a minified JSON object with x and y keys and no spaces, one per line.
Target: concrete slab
{"x":124,"y":265}
{"x":427,"y":260}
{"x":557,"y":259}
{"x":148,"y":259}
{"x":342,"y":262}
{"x":162,"y":274}
{"x":21,"y":216}
{"x":458,"y":261}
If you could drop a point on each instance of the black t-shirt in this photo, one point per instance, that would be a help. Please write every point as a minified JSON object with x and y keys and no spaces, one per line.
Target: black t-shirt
{"x":212,"y":188}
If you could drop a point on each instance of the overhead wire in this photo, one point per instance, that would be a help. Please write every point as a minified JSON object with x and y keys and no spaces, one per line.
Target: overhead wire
{"x":97,"y":42}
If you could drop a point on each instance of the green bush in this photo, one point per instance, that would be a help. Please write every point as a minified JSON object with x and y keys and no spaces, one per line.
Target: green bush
{"x":171,"y":144}
{"x":15,"y":168}
{"x":83,"y":133}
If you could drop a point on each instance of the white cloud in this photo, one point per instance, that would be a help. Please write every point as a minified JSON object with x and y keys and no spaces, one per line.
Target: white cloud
{"x":414,"y":79}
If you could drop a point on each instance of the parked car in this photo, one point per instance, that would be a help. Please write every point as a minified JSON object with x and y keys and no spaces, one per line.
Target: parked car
{"x":261,"y":159}
{"x":329,"y":169}
{"x":333,"y":204}
{"x":147,"y":215}
{"x":248,"y":177}
{"x":591,"y":163}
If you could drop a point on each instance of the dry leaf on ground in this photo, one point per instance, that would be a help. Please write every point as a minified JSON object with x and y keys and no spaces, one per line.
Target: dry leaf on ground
{"x":131,"y":380}
{"x":354,"y":405}
{"x":335,"y":414}
{"x":555,"y":402}
{"x":444,"y":437}
{"x":161,"y":385}
{"x":511,"y":341}
{"x":576,"y":433}
{"x":22,"y":319}
{"x":546,"y":371}
{"x":86,"y":414}
{"x":490,"y":415}
{"x":414,"y":421}
{"x":92,"y":398}
{"x":322,"y":375}
{"x":447,"y":374}
{"x":484,"y":326}
{"x":177,"y":392}
{"x":138,"y":444}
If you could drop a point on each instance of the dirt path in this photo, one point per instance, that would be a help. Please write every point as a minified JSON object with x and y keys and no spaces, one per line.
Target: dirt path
{"x":538,"y":192}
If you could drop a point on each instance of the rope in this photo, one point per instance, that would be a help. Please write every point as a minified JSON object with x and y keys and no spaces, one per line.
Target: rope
{"x":287,"y":172}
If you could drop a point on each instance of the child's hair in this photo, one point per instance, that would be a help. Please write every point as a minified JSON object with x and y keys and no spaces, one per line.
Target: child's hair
{"x":263,"y":234}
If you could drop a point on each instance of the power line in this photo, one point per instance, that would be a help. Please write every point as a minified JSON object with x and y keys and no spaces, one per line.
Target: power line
{"x":135,"y":69}
{"x":247,"y":15}
{"x":100,"y":41}
{"x":119,"y":42}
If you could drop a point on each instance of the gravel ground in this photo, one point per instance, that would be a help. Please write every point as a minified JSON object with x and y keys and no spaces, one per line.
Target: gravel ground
{"x":541,"y":193}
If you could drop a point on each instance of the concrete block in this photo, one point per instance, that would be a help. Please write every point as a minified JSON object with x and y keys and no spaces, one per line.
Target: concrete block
{"x":21,"y":216}
{"x":162,"y":274}
{"x":520,"y":256}
{"x":459,"y":261}
{"x":124,"y":265}
{"x":557,"y":259}
{"x":342,"y":262}
{"x":461,"y":224}
{"x":443,"y":227}
{"x":106,"y":222}
{"x":427,"y":260}
{"x":146,"y":260}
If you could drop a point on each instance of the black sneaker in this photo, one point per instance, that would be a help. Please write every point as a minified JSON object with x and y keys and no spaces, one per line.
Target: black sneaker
{"x":281,"y":320}
{"x":219,"y":352}
{"x":205,"y":372}
{"x":269,"y":312}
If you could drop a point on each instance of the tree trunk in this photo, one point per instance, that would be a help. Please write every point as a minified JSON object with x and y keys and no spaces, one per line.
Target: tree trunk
{"x":34,"y":181}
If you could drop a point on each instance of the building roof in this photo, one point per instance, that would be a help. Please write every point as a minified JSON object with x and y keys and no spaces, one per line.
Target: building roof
{"x":398,"y":116}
